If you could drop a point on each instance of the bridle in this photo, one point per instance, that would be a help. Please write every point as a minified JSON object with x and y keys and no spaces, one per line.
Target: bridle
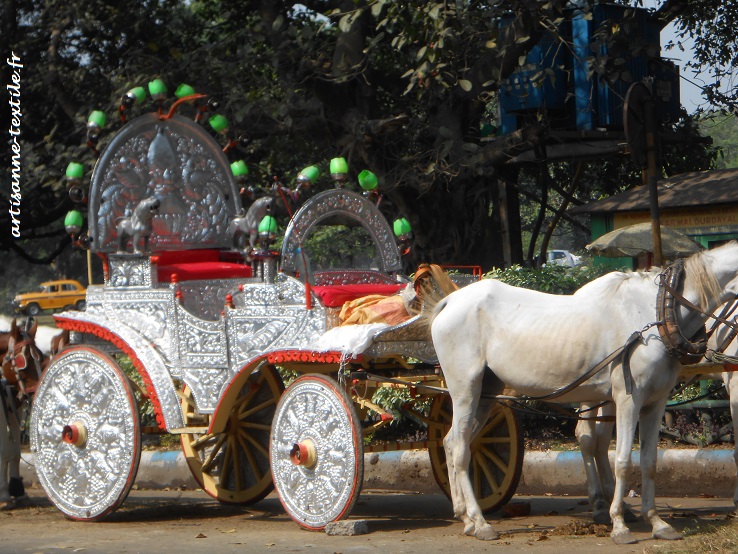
{"x":23,"y":358}
{"x":688,"y":350}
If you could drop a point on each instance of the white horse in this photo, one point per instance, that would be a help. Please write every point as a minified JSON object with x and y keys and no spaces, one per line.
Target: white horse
{"x":595,"y":428}
{"x":537,"y":343}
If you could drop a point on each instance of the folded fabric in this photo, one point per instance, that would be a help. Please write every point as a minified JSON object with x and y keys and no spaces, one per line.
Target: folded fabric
{"x":350,"y":340}
{"x":374,"y":308}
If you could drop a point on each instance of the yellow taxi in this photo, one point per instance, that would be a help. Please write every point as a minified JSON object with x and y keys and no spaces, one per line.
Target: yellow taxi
{"x":65,"y":293}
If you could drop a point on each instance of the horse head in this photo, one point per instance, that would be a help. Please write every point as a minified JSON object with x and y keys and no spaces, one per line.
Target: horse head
{"x":23,"y":362}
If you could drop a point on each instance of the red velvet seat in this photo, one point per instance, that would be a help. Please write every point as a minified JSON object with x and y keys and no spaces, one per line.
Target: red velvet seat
{"x":192,"y":265}
{"x":334,"y":296}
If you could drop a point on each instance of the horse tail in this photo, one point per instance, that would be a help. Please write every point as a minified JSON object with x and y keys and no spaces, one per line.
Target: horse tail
{"x":432,"y":286}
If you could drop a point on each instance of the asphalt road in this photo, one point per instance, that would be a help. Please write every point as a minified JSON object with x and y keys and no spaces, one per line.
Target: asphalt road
{"x":190,"y":521}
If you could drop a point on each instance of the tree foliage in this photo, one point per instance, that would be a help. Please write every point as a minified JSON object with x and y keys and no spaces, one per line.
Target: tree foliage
{"x":404,"y":89}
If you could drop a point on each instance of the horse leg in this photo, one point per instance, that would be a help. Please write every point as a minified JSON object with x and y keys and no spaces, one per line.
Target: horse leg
{"x":458,"y":455}
{"x":6,"y":454}
{"x":650,"y":423}
{"x":627,"y":412}
{"x":15,"y":483}
{"x":586,"y":433}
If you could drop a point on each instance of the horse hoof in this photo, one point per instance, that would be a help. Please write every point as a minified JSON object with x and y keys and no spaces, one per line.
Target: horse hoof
{"x":7,"y":505}
{"x":469,"y":530}
{"x":486,"y":533}
{"x":602,"y":518}
{"x":623,"y":537}
{"x":667,"y":534}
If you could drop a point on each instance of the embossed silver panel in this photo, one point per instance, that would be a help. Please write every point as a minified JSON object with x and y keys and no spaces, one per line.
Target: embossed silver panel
{"x":130,"y":271}
{"x":271,"y":317}
{"x":177,"y":161}
{"x":83,"y":389}
{"x":312,"y":410}
{"x":338,"y":204}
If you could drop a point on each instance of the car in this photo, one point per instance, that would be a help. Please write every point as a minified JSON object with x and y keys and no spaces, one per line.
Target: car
{"x":562,"y":257}
{"x":65,"y":293}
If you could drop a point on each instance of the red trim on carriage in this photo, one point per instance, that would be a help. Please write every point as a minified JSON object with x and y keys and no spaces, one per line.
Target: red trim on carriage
{"x":196,"y":265}
{"x":334,"y":296}
{"x":109,"y":336}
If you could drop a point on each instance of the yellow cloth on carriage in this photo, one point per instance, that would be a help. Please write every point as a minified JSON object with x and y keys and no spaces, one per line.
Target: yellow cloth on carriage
{"x":374,"y":308}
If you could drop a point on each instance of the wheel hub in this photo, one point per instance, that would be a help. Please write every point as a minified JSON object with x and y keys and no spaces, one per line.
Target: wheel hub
{"x":304,"y":454}
{"x":75,"y":434}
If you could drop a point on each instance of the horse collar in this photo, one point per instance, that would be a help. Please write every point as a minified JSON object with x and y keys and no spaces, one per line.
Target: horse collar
{"x":687,"y":351}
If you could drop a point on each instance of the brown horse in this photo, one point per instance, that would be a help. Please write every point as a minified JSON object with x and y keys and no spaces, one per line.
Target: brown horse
{"x":22,"y":366}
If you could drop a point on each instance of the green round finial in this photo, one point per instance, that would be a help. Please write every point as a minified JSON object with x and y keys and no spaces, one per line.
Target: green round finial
{"x":310,"y":173}
{"x":339,"y":166}
{"x":268,"y":226}
{"x":402,"y":227}
{"x":157,"y":89}
{"x":219,"y":123}
{"x":184,"y":90}
{"x":75,"y":170}
{"x":367,"y":180}
{"x":97,"y":119}
{"x":73,"y":222}
{"x":239,"y":168}
{"x":138,"y":93}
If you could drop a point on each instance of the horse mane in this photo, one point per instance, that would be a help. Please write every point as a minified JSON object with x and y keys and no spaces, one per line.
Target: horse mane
{"x":699,"y":275}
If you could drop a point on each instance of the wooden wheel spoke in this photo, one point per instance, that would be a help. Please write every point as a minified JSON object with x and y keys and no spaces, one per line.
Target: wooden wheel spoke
{"x":479,"y":463}
{"x":494,"y":458}
{"x":271,"y":402}
{"x":250,"y":458}
{"x":259,"y":426}
{"x":253,"y":441}
{"x":208,"y":463}
{"x":202,"y":441}
{"x":232,"y":455}
{"x":493,"y":423}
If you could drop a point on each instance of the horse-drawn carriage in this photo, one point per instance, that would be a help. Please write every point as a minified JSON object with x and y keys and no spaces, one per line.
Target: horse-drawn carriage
{"x":207,"y":333}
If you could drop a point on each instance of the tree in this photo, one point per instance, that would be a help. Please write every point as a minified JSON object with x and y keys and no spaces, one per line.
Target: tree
{"x":405,"y":89}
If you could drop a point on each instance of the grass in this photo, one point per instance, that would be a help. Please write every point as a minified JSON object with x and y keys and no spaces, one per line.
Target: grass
{"x":704,"y":537}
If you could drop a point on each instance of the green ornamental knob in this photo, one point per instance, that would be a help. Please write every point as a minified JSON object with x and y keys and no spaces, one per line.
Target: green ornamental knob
{"x":367,"y":180}
{"x":339,"y":166}
{"x":268,"y":226}
{"x":157,"y":89}
{"x":97,"y":120}
{"x":75,"y":171}
{"x":402,"y":227}
{"x":219,"y":123}
{"x":239,"y":168}
{"x":73,"y":222}
{"x":138,"y":93}
{"x":184,"y":90}
{"x":310,"y":174}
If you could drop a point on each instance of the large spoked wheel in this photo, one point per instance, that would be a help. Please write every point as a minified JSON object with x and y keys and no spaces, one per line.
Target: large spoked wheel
{"x":86,"y":435}
{"x":496,"y":454}
{"x":317,"y":452}
{"x":233,"y":466}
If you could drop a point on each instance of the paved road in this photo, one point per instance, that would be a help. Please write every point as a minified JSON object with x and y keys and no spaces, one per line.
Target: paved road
{"x":190,"y":521}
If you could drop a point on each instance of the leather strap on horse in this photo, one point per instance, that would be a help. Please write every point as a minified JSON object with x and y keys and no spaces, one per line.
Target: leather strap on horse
{"x":686,"y":350}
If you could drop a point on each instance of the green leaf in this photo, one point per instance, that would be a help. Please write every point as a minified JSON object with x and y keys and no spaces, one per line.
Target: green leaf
{"x":345,"y":23}
{"x":421,"y":53}
{"x":521,"y":40}
{"x":466,"y":85}
{"x":490,"y":44}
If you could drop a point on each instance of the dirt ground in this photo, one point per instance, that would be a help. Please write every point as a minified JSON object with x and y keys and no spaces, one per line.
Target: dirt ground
{"x":190,"y":521}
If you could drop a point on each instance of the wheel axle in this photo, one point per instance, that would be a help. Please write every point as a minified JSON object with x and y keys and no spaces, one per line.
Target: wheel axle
{"x":75,"y":433}
{"x":304,"y":454}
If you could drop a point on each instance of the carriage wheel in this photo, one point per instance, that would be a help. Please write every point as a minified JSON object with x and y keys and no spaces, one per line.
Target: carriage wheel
{"x":317,"y":452}
{"x":233,"y":466}
{"x":496,"y":454}
{"x":86,"y":435}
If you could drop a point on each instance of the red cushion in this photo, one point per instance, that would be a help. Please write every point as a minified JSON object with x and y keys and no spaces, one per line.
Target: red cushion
{"x":203,"y":270}
{"x":185,"y":256}
{"x":334,"y":296}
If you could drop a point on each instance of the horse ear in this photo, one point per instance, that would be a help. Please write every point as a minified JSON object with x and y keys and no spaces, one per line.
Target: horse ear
{"x":13,"y":326}
{"x":33,"y":329}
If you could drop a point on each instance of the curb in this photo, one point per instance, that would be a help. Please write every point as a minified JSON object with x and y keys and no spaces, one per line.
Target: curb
{"x":680,"y":472}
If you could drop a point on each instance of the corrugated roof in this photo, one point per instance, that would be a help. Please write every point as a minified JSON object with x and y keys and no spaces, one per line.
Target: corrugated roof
{"x":699,"y":188}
